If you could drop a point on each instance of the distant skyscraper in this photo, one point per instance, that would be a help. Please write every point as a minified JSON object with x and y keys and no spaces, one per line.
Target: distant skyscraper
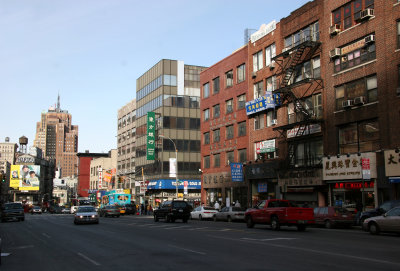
{"x":58,"y":138}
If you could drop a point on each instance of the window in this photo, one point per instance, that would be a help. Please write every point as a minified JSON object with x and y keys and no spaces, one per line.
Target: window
{"x":271,"y":118}
{"x":270,"y":52}
{"x":308,"y":69}
{"x":216,"y":135}
{"x":359,"y":137}
{"x":217,"y":160}
{"x":258,"y":89}
{"x":310,"y":32}
{"x":216,"y":85}
{"x":242,"y":155}
{"x":398,"y":34}
{"x":206,"y":114}
{"x":271,"y":83}
{"x":351,"y":13}
{"x":363,"y":53}
{"x":206,"y":137}
{"x":206,"y":162}
{"x":259,"y":122}
{"x":229,"y":132}
{"x":230,"y":157}
{"x":229,"y":78}
{"x":229,"y":106}
{"x":257,"y":61}
{"x":242,"y":128}
{"x":206,"y":90}
{"x":241,"y":101}
{"x":216,"y":111}
{"x":312,"y":105}
{"x":364,"y":87}
{"x":308,"y":153}
{"x":241,"y":73}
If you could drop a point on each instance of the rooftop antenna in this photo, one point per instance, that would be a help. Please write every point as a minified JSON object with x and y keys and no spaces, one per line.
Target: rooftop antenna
{"x":58,"y":102}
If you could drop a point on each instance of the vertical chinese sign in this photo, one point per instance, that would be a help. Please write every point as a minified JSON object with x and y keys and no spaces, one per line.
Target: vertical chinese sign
{"x":237,"y":172}
{"x":151,"y":127}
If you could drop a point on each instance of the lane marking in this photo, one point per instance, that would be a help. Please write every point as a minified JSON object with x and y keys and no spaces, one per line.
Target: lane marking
{"x":172,"y":228}
{"x":5,"y":254}
{"x":203,"y":228}
{"x":159,"y":226}
{"x":310,"y":250}
{"x":23,"y":247}
{"x":46,"y":235}
{"x":269,"y":239}
{"x":225,"y":230}
{"x":189,"y":250}
{"x":88,"y":259}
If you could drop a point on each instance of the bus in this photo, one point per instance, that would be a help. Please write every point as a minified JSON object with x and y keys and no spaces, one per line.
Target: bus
{"x":116,"y":198}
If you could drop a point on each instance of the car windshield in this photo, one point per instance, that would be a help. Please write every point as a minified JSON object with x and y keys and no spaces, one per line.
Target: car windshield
{"x":208,"y":208}
{"x":179,"y":204}
{"x":111,"y":207}
{"x":36,"y":207}
{"x":86,"y":209}
{"x":13,"y":206}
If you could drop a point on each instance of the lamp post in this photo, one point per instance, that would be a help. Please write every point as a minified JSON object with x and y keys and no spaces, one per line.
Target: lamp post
{"x":176,"y":157}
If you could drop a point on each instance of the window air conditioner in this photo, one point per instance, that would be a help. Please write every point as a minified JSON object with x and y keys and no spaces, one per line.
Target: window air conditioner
{"x":370,"y":38}
{"x":347,"y":103}
{"x":254,"y":75}
{"x":274,"y":122}
{"x":360,"y":100}
{"x":334,"y":29}
{"x":272,"y":65}
{"x":335,"y":53}
{"x":366,"y":14}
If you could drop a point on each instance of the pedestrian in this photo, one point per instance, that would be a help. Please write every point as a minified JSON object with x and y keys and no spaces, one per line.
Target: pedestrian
{"x":216,"y":205}
{"x":237,"y":204}
{"x":142,"y":209}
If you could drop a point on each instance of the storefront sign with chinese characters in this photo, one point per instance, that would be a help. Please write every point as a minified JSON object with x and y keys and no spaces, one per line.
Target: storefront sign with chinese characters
{"x":265,"y":146}
{"x":392,"y":163}
{"x":347,"y":167}
{"x":354,"y":185}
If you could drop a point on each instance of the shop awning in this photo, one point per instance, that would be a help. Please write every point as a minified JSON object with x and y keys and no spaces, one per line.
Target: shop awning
{"x":394,"y":180}
{"x":170,"y":184}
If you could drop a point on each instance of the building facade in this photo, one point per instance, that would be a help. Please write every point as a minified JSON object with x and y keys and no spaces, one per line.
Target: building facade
{"x":171,"y":90}
{"x":224,"y":128}
{"x":58,"y":139}
{"x":126,"y":146}
{"x":107,"y":166}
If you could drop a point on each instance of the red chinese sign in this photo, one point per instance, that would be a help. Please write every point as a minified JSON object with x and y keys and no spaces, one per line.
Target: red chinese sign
{"x":354,"y":185}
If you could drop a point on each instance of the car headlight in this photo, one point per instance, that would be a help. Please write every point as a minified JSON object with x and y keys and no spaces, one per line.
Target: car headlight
{"x":94,"y":216}
{"x":81,"y":216}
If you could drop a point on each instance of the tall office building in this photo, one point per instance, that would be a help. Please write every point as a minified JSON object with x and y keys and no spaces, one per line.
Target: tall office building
{"x":58,"y":139}
{"x":171,"y":90}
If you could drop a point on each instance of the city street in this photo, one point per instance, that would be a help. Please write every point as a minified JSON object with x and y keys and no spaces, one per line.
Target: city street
{"x":51,"y":242}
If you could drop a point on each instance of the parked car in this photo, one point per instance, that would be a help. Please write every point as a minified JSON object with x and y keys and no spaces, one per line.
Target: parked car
{"x":230,"y":214}
{"x":383,"y":208}
{"x":110,"y":210}
{"x":172,"y":210}
{"x":203,"y":212}
{"x":388,"y":222}
{"x":66,"y":211}
{"x":86,"y":214}
{"x":279,"y":213}
{"x":122,"y":209}
{"x":333,"y":216}
{"x":12,"y":211}
{"x":55,"y":209}
{"x":36,"y":210}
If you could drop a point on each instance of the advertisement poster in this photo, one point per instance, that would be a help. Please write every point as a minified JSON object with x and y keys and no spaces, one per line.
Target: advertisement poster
{"x":25,"y":177}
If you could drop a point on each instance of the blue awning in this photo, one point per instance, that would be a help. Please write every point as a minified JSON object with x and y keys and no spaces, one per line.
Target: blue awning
{"x":170,"y":184}
{"x":394,"y":180}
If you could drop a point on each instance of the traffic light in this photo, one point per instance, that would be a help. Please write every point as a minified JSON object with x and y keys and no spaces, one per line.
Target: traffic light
{"x":3,"y":177}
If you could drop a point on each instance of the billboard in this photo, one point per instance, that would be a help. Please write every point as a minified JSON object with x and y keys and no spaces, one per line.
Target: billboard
{"x":25,"y":177}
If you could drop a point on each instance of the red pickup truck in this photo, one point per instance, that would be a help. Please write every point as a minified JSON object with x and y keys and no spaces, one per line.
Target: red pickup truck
{"x":279,"y":213}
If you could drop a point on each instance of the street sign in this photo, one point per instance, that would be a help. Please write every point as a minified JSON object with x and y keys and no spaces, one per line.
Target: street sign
{"x":366,"y":168}
{"x":185,"y":187}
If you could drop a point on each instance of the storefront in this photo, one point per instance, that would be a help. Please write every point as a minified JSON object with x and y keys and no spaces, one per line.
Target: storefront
{"x":263,"y":181}
{"x":392,"y":172}
{"x":352,"y":180}
{"x":304,"y":186}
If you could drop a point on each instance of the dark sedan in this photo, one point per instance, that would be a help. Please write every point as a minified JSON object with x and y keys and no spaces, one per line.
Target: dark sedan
{"x":110,"y":210}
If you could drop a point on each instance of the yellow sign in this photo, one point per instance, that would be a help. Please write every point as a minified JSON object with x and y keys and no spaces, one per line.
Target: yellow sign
{"x":25,"y":177}
{"x":354,"y":46}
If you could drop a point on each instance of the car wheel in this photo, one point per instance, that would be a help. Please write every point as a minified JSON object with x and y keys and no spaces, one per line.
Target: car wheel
{"x":200,"y":217}
{"x":229,"y":219}
{"x":185,"y":220}
{"x":76,"y":223}
{"x":155,"y":218}
{"x":374,"y":228}
{"x":118,"y":215}
{"x":167,"y":218}
{"x":301,"y":227}
{"x":23,"y":219}
{"x":249,"y":222}
{"x":215,"y":218}
{"x":191,"y":217}
{"x":328,"y":224}
{"x":275,"y":224}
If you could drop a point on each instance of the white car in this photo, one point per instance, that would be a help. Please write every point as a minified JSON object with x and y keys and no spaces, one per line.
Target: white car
{"x":86,"y":214}
{"x":203,"y":212}
{"x":66,"y":211}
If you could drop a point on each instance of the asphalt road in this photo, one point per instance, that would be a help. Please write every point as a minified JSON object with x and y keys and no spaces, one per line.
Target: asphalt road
{"x":53,"y":242}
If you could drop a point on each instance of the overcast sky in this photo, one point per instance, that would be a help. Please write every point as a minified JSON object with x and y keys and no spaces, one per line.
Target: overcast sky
{"x":92,"y":51}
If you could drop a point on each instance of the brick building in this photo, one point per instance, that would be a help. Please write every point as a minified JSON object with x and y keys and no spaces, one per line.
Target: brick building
{"x":224,"y":128}
{"x":332,"y":70}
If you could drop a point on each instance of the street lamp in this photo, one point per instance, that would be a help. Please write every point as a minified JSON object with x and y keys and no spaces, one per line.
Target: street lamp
{"x":176,"y":155}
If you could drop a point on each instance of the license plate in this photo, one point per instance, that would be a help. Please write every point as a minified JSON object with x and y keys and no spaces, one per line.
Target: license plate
{"x":181,"y":211}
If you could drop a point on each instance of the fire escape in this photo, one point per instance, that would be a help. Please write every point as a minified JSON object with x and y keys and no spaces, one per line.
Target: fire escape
{"x":295,"y":92}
